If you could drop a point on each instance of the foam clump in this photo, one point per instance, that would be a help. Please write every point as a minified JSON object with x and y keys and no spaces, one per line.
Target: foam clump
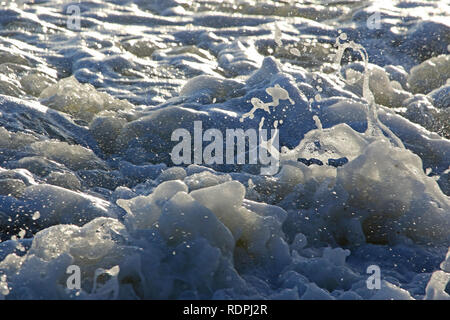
{"x":395,"y":201}
{"x":15,"y":140}
{"x":58,"y":205}
{"x":82,"y":101}
{"x":386,"y":92}
{"x":437,"y":286}
{"x":99,"y":244}
{"x":144,"y":211}
{"x":13,"y":187}
{"x":441,"y":97}
{"x":173,"y":173}
{"x":205,"y":179}
{"x":400,"y":197}
{"x":18,"y":174}
{"x":35,"y":82}
{"x":316,"y":277}
{"x":199,"y":239}
{"x":251,"y":224}
{"x":430,"y":74}
{"x":213,"y":235}
{"x":106,"y":128}
{"x":65,"y":180}
{"x":74,"y":157}
{"x":185,"y":219}
{"x":445,"y":265}
{"x":332,"y":143}
{"x":390,"y":291}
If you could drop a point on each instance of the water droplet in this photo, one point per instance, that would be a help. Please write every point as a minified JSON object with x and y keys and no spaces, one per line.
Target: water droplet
{"x":36,"y":215}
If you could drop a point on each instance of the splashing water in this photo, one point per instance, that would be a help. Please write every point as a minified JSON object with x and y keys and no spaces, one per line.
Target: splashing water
{"x":317,"y":122}
{"x":276,"y":92}
{"x":375,"y":127}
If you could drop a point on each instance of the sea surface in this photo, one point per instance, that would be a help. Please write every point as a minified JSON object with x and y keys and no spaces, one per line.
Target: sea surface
{"x":351,"y":200}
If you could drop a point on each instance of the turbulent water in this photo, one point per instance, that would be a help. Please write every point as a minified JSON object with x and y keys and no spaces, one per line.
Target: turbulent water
{"x":91,"y":93}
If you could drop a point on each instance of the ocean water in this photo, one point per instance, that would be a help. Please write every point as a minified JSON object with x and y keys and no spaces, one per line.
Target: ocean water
{"x":346,"y":196}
